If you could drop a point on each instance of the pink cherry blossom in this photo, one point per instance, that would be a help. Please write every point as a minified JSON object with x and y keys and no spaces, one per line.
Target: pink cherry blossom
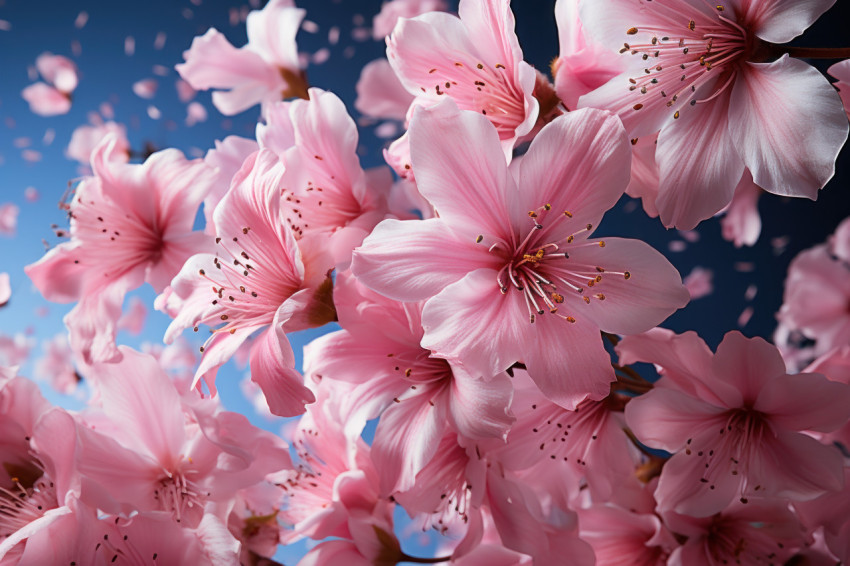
{"x":841,"y":71}
{"x":518,"y":279}
{"x":152,"y":451}
{"x":416,"y":395}
{"x":475,"y":60}
{"x":757,"y":533}
{"x":384,"y":22}
{"x":265,"y":70}
{"x":326,"y":192}
{"x":817,"y":294}
{"x":733,"y":421}
{"x":8,"y":219}
{"x":327,"y":459}
{"x":698,"y":76}
{"x":129,"y":224}
{"x":615,"y":533}
{"x":258,"y":279}
{"x":583,"y":64}
{"x":830,"y":511}
{"x":96,"y":540}
{"x":86,"y":138}
{"x":53,"y":97}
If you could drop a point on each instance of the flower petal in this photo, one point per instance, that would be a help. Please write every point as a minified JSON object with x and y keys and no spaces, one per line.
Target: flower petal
{"x":788,"y":125}
{"x":780,"y":21}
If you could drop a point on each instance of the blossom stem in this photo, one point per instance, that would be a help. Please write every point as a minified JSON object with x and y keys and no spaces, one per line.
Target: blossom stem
{"x":815,"y":52}
{"x":417,"y":560}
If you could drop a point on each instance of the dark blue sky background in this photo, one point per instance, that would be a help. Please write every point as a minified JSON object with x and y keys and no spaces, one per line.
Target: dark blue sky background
{"x":107,"y":74}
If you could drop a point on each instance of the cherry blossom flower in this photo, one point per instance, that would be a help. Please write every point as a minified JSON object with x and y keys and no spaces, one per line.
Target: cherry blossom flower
{"x":14,"y":350}
{"x":816,"y":299}
{"x":416,"y":395}
{"x":475,"y":60}
{"x":733,"y":419}
{"x":583,"y":64}
{"x":53,"y":97}
{"x":151,"y":451}
{"x":326,"y":191}
{"x":757,"y":533}
{"x":615,"y":533}
{"x":265,"y":70}
{"x":129,"y":224}
{"x":705,"y":78}
{"x":518,"y":279}
{"x":257,"y":280}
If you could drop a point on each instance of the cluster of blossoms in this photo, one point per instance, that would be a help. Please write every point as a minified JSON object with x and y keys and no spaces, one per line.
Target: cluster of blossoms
{"x":480,"y":322}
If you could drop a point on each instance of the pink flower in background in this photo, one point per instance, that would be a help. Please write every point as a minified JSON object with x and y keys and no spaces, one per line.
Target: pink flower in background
{"x":475,"y":60}
{"x":53,"y":97}
{"x":384,"y":22}
{"x":15,"y":350}
{"x":265,"y":70}
{"x":134,"y":317}
{"x":151,"y":450}
{"x":86,"y":138}
{"x":129,"y":224}
{"x":816,"y":299}
{"x":518,"y":279}
{"x":583,"y":64}
{"x":259,"y":279}
{"x":226,"y":158}
{"x":8,"y":219}
{"x":839,"y":242}
{"x":841,"y":71}
{"x":733,"y":420}
{"x":697,"y":75}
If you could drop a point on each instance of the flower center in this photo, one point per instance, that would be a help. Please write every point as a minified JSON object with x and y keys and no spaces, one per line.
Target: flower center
{"x":539,"y":267}
{"x":21,"y":505}
{"x":178,"y":494}
{"x":688,"y":62}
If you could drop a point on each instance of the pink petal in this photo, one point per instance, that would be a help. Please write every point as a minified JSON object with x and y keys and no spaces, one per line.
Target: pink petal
{"x":273,"y":369}
{"x":271,"y":33}
{"x":57,"y":70}
{"x":138,"y":394}
{"x":742,"y":223}
{"x":384,"y":263}
{"x":472,"y":322}
{"x":479,"y":407}
{"x":805,"y":401}
{"x":788,"y":125}
{"x":698,"y":165}
{"x":780,"y":21}
{"x":652,"y":292}
{"x":379,"y":92}
{"x":45,"y":100}
{"x":567,"y":361}
{"x":573,"y":180}
{"x":5,"y":289}
{"x":457,"y":176}
{"x":666,"y":419}
{"x":748,"y":364}
{"x":407,"y":436}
